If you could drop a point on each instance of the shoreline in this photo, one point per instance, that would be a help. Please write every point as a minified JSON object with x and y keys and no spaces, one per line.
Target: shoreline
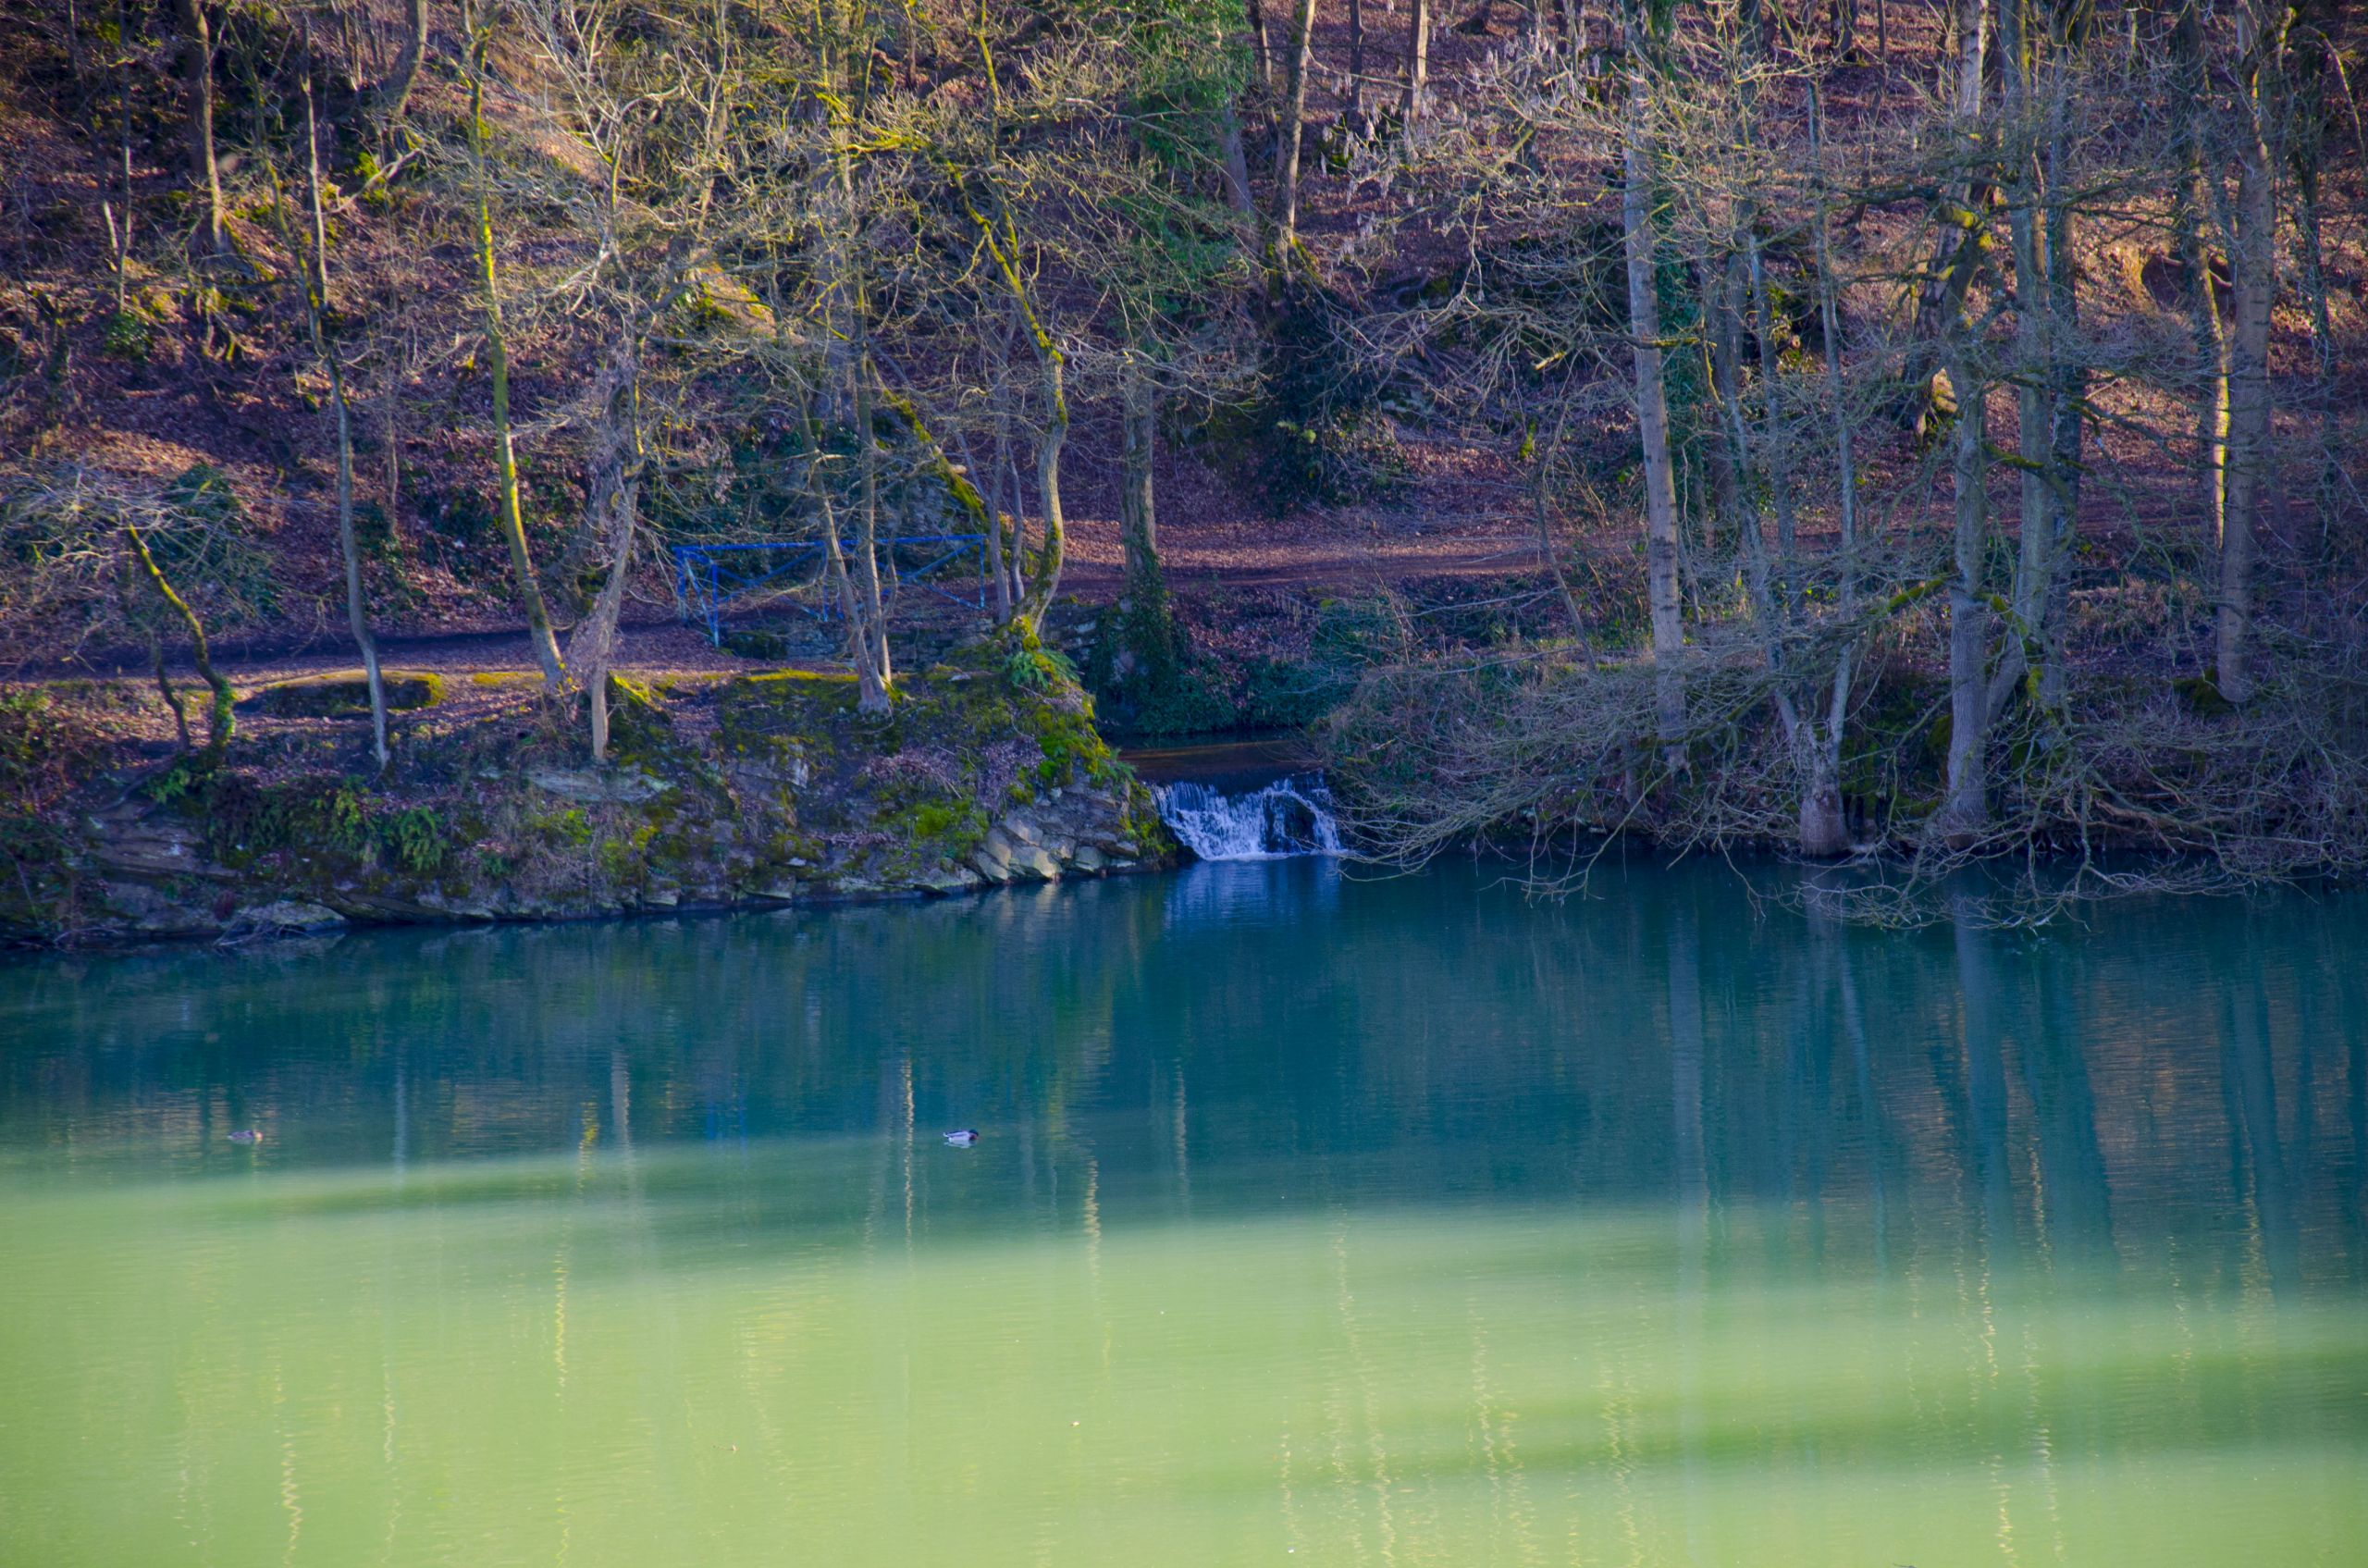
{"x":755,"y":791}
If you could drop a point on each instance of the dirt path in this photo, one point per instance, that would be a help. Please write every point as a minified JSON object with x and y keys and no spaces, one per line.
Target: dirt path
{"x":1197,"y":568}
{"x":1210,"y":561}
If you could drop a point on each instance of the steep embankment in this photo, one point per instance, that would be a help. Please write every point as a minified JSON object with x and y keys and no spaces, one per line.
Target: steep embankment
{"x":719,"y":792}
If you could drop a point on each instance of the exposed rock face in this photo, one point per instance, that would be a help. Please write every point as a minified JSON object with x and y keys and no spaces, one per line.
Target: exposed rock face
{"x":283,"y":916}
{"x":778,"y":794}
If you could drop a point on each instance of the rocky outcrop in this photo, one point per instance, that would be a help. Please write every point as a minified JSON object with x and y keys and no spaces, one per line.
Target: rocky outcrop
{"x":751,"y":792}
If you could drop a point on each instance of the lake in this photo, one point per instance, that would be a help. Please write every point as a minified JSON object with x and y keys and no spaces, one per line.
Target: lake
{"x":1312,"y":1219}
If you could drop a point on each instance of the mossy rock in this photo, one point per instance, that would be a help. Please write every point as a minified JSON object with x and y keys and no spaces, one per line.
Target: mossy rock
{"x":345,"y":695}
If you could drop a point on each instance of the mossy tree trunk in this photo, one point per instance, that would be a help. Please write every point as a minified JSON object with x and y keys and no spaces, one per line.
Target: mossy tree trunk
{"x":222,"y":723}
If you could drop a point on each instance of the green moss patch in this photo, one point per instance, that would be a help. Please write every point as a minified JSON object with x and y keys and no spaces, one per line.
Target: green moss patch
{"x":345,"y":695}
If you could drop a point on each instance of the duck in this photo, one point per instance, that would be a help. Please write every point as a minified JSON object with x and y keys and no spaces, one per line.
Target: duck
{"x":962,"y":1138}
{"x":246,"y":1135}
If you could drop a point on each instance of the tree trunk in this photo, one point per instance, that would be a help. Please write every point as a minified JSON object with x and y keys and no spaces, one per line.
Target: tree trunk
{"x":1774,"y":441}
{"x":1970,"y":20}
{"x":1288,"y":134}
{"x":1964,"y":812}
{"x":1722,"y":288}
{"x":317,"y":290}
{"x":396,"y":93}
{"x":1353,"y":106}
{"x":2254,"y":265}
{"x":514,"y":525}
{"x":1652,"y":407}
{"x":2308,"y":120}
{"x":1002,"y":239}
{"x":1148,"y":626}
{"x":613,"y":481}
{"x":1138,"y":519}
{"x":2035,"y":371}
{"x":1821,"y":828}
{"x":1418,"y":61}
{"x":871,"y":682}
{"x":2188,"y":219}
{"x":1235,"y":166}
{"x":875,"y":617}
{"x":197,"y":67}
{"x":1044,"y":579}
{"x":165,"y":688}
{"x":2068,"y":380}
{"x":849,"y":323}
{"x":1826,"y":825}
{"x":856,"y":609}
{"x":999,"y":465}
{"x":221,"y":719}
{"x":2311,"y":243}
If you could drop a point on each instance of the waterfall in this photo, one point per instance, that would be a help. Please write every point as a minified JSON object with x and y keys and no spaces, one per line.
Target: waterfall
{"x":1291,"y":816}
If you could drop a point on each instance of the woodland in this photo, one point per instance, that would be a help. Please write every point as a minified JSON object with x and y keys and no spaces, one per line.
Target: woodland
{"x":1924,"y":432}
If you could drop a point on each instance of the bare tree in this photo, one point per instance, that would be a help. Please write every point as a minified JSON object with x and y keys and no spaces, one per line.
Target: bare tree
{"x":2254,"y":266}
{"x":1636,"y":226}
{"x":2190,"y":214}
{"x":312,"y":253}
{"x":512,"y":520}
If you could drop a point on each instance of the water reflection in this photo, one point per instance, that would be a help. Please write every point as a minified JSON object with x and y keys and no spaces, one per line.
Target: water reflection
{"x":1391,"y":1222}
{"x":1255,"y":1035}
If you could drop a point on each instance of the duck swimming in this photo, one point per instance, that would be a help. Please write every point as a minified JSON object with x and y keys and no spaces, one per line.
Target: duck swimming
{"x":963,"y":1139}
{"x":246,"y":1135}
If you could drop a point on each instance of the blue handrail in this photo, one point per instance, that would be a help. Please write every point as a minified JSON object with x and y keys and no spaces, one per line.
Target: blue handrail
{"x":707,"y":578}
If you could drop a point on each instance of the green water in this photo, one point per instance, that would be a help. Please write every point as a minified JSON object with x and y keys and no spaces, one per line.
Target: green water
{"x":1312,"y":1221}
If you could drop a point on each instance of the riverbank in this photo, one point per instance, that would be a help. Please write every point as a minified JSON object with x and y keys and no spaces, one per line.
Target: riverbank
{"x":721,"y":791}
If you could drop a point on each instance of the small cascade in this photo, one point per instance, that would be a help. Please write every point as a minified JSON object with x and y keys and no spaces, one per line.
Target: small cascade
{"x":1290,"y":816}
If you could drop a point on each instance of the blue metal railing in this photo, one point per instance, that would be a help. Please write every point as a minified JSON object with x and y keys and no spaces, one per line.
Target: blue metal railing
{"x":708,"y":577}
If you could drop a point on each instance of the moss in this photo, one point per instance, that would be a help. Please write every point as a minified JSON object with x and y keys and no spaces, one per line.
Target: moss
{"x":640,"y":729}
{"x":346,"y":695}
{"x":932,"y":830}
{"x":834,"y":798}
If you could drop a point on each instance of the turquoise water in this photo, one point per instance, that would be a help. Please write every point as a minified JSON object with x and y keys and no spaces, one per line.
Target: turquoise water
{"x":1312,"y":1220}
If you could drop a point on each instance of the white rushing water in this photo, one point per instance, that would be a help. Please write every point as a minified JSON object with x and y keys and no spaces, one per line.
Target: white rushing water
{"x":1291,"y":816}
